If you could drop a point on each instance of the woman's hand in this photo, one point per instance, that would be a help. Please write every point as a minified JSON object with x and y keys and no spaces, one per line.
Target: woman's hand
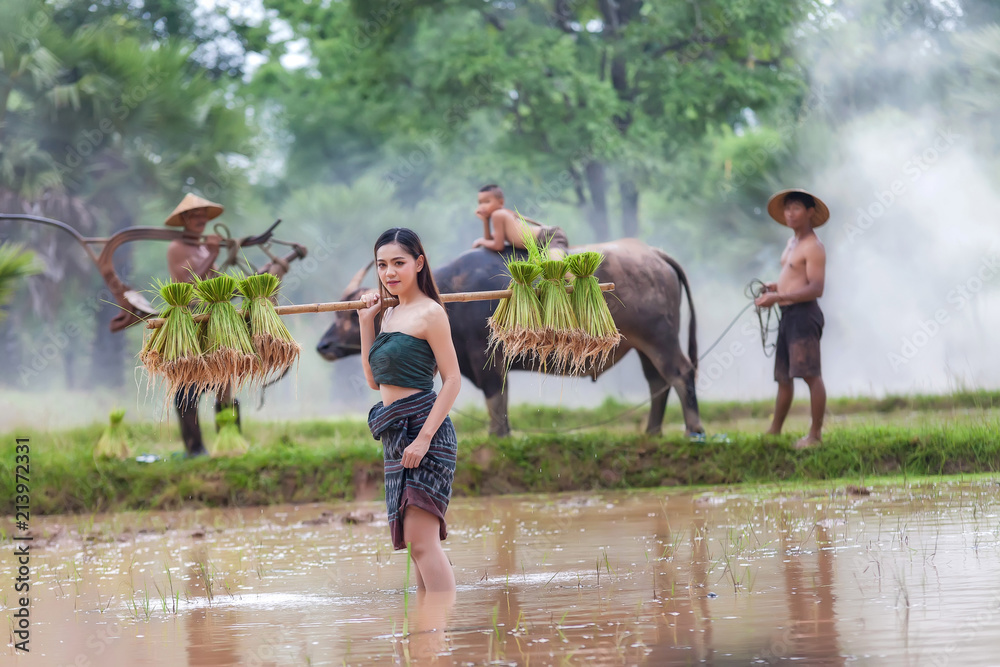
{"x":373,"y":304}
{"x":414,"y":452}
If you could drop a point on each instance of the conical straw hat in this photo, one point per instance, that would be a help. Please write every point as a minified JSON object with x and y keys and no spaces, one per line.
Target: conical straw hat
{"x":776,"y":207}
{"x":189,"y":203}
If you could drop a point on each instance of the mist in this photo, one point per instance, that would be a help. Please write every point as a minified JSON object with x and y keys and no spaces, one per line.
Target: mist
{"x":912,"y":281}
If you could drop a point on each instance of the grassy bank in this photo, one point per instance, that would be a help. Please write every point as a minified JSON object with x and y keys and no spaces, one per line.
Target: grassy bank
{"x":338,"y":459}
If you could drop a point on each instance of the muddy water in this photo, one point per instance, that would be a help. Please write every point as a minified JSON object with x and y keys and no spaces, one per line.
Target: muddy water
{"x":906,"y":575}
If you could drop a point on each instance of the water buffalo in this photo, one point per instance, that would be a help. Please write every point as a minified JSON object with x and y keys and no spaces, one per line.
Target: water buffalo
{"x":645,"y":305}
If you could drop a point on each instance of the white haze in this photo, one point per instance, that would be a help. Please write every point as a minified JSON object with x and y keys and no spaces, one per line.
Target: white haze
{"x":897,"y":319}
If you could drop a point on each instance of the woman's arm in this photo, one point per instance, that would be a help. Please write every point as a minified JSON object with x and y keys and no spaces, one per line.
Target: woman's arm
{"x":366,"y":317}
{"x":439,"y":338}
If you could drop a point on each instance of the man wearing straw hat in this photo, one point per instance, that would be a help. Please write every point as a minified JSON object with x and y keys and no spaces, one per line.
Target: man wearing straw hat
{"x":187,"y":257}
{"x":799,"y":285}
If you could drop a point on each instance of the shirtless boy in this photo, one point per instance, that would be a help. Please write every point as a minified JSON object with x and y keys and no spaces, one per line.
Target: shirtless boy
{"x":800,"y":284}
{"x":508,"y":228}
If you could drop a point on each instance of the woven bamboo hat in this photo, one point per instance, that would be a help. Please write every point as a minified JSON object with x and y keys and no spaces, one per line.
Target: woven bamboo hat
{"x":776,"y":207}
{"x":189,"y":203}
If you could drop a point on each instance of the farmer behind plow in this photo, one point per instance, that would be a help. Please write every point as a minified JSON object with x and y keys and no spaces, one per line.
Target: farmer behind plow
{"x":188,"y":257}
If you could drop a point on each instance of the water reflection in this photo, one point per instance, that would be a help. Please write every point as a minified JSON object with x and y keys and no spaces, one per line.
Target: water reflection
{"x":634,"y":578}
{"x":812,"y":628}
{"x":428,"y":642}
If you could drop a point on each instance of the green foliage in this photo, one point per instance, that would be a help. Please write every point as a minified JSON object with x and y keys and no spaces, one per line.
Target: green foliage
{"x":113,"y":443}
{"x":321,"y":460}
{"x":229,"y":442}
{"x":551,"y":101}
{"x":15,"y":266}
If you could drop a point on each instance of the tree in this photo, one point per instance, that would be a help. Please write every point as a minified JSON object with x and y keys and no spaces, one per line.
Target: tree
{"x":585,"y":99}
{"x":98,"y":117}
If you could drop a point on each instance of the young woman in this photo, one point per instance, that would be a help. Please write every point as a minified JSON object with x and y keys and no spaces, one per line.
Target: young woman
{"x":412,"y":422}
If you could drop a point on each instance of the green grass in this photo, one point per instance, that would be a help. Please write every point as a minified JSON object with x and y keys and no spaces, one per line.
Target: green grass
{"x":325,"y":459}
{"x":716,"y":415}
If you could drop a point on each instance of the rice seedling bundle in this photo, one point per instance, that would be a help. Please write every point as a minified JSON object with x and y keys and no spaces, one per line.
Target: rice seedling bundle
{"x":274,"y":345}
{"x":517,"y":322}
{"x":113,"y":443}
{"x":229,"y":442}
{"x":591,"y":311}
{"x":228,"y":350}
{"x":563,"y":340}
{"x":173,"y":351}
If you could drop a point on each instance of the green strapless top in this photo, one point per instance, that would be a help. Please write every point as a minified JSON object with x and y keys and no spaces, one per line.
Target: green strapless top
{"x":402,"y":360}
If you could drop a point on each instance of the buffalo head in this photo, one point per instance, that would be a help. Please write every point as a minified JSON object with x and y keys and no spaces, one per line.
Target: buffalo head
{"x":343,"y":338}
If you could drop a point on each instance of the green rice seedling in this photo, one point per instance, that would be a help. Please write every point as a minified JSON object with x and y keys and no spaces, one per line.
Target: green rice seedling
{"x":173,"y":350}
{"x":592,"y":312}
{"x":536,"y":253}
{"x":229,"y":442}
{"x":563,"y":339}
{"x":517,"y":325}
{"x":273,"y":343}
{"x":226,"y":342}
{"x":113,"y":443}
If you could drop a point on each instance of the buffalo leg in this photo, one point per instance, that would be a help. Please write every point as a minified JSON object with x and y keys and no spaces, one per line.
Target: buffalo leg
{"x":685,"y":386}
{"x":497,"y":407}
{"x":186,"y":402}
{"x":680,"y":375}
{"x":659,"y":391}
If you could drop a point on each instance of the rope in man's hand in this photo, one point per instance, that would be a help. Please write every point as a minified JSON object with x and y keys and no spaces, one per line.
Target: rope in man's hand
{"x":752,"y":291}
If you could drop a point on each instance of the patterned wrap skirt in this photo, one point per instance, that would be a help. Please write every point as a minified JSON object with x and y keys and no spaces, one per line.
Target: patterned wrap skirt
{"x":428,"y":486}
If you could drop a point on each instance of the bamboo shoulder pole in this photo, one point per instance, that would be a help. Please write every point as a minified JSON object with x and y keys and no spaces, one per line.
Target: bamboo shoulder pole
{"x":333,"y":306}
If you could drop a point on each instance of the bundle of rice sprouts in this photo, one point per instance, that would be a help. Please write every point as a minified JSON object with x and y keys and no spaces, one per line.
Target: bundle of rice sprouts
{"x":228,"y":350}
{"x":271,"y":340}
{"x":536,"y":254}
{"x":591,"y":311}
{"x":113,"y":443}
{"x":563,"y":340}
{"x":174,"y":349}
{"x":229,"y":442}
{"x":517,"y":322}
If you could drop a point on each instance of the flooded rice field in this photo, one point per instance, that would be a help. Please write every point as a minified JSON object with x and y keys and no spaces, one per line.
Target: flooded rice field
{"x":906,"y":574}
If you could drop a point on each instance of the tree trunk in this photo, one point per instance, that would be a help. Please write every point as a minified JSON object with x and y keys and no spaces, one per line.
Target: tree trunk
{"x":597,"y":214}
{"x":630,"y":205}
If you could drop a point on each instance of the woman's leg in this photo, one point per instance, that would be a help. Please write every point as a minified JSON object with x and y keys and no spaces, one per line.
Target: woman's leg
{"x":421,"y":530}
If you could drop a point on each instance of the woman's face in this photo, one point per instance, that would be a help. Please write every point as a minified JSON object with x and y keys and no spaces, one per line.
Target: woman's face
{"x":397,"y":268}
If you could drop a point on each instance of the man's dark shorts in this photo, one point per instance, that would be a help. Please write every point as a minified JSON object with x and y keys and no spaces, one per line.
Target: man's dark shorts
{"x":796,"y":354}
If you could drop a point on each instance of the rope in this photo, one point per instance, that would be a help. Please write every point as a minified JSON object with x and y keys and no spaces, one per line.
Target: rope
{"x":752,"y":290}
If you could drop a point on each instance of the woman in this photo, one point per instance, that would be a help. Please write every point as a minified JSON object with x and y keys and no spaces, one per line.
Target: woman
{"x":418,"y":439}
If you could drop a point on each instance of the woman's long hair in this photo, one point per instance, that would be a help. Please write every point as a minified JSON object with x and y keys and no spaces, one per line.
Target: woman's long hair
{"x":408,"y":240}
